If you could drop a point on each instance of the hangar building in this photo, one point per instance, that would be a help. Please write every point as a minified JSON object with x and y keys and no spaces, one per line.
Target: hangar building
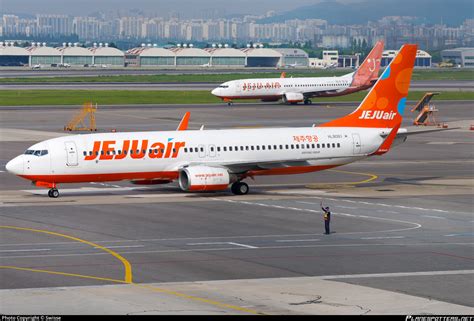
{"x":13,"y":56}
{"x":423,"y":59}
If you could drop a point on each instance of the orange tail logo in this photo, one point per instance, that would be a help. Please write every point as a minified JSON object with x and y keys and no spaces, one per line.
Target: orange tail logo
{"x":384,"y":105}
{"x":370,"y":67}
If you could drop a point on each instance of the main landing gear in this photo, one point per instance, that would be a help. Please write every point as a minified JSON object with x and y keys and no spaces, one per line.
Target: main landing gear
{"x":239,"y":188}
{"x":54,"y":193}
{"x":308,"y":102}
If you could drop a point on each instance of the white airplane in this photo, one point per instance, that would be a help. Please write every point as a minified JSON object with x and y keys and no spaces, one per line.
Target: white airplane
{"x":38,"y":66}
{"x":296,"y":64}
{"x":302,"y":89}
{"x":213,"y":160}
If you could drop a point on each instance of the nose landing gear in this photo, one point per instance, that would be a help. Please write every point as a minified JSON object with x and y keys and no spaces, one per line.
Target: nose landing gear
{"x":53,"y":193}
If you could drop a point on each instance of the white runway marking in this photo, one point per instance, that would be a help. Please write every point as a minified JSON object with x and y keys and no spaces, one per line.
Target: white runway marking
{"x":241,"y":249}
{"x":438,"y":217}
{"x":401,"y":274}
{"x":227,"y":243}
{"x":32,"y":250}
{"x":382,"y":237}
{"x":306,"y":240}
{"x":121,"y":246}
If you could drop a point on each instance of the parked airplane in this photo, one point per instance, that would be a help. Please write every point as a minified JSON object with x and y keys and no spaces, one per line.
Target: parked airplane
{"x":211,"y":160}
{"x":294,"y":90}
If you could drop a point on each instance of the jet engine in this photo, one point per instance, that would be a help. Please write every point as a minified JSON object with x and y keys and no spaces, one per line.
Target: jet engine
{"x":293,"y":97}
{"x":204,"y":178}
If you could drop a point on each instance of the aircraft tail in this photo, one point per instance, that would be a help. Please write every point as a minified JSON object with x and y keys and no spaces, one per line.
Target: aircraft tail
{"x":384,"y":105}
{"x":368,"y":71}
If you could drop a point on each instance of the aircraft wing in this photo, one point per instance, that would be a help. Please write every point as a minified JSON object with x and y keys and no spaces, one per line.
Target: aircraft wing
{"x":240,"y":167}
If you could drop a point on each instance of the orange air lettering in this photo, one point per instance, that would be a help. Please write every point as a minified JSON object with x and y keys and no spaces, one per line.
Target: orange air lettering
{"x":157,"y":150}
{"x":135,"y":147}
{"x":177,"y":146}
{"x":169,"y":148}
{"x":95,"y":151}
{"x":107,"y":149}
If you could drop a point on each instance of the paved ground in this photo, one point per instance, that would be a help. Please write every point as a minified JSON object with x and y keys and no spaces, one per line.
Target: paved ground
{"x":401,"y":243}
{"x":430,"y":85}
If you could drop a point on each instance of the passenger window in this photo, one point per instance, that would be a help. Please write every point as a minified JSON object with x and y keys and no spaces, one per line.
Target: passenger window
{"x":338,"y":145}
{"x":218,"y":149}
{"x":241,"y":147}
{"x":323,"y":145}
{"x":230,"y":148}
{"x":131,"y":152}
{"x":119,"y":152}
{"x":185,"y":150}
{"x":85,"y":153}
{"x":307,"y":146}
{"x":246,"y":148}
{"x":297,"y":146}
{"x":225,"y":149}
{"x":108,"y":153}
{"x":251,"y":147}
{"x":263,"y":147}
{"x":292,"y":146}
{"x":281,"y":146}
{"x":333,"y":145}
{"x":275,"y":147}
{"x":202,"y":149}
{"x":258,"y":147}
{"x":102,"y":152}
{"x":312,"y":146}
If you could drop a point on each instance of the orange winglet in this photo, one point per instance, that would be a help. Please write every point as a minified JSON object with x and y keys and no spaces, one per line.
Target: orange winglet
{"x":283,"y":75}
{"x":183,"y":125}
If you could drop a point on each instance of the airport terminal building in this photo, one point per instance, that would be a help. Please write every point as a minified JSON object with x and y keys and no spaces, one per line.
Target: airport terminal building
{"x":463,"y":57}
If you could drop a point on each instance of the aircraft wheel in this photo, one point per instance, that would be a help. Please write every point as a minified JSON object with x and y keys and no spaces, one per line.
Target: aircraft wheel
{"x":240,"y":188}
{"x":54,"y":193}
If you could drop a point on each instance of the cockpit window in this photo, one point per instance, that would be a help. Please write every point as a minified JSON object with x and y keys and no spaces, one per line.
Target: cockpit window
{"x":223,"y":86}
{"x":36,"y":152}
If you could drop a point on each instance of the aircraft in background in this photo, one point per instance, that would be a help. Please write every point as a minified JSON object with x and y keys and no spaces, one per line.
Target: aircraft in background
{"x":206,"y":65}
{"x":38,"y":66}
{"x":296,"y":64}
{"x":213,"y":160}
{"x":295,"y":90}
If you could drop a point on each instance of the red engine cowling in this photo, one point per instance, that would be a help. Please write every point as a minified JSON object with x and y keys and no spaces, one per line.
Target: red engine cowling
{"x":203,"y":178}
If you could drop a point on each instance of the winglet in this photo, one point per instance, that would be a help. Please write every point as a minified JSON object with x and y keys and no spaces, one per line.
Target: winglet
{"x":283,"y":75}
{"x":387,"y":143}
{"x":183,"y":125}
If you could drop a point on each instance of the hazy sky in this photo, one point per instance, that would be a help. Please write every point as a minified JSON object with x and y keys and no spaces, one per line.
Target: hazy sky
{"x":184,"y":7}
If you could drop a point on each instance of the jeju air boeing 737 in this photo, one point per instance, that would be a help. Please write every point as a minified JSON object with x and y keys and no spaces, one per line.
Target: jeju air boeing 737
{"x":213,"y":160}
{"x":294,"y":90}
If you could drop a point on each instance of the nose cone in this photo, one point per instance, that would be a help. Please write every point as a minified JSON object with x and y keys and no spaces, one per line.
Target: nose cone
{"x":215,"y":92}
{"x":15,"y":166}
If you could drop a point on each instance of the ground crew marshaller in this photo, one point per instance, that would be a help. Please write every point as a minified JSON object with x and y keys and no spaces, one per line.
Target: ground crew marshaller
{"x":327,"y":218}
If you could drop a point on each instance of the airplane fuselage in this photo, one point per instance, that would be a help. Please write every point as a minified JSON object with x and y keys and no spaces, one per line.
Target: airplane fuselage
{"x":160,"y":155}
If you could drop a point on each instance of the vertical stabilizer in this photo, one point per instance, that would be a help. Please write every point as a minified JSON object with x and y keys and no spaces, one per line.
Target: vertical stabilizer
{"x":368,"y":71}
{"x":384,"y":105}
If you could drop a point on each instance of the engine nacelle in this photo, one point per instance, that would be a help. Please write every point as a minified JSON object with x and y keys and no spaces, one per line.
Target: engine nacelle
{"x":203,"y":178}
{"x":293,"y":97}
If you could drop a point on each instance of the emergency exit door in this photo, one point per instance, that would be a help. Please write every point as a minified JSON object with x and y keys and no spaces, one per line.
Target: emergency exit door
{"x":356,"y":144}
{"x":71,"y":152}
